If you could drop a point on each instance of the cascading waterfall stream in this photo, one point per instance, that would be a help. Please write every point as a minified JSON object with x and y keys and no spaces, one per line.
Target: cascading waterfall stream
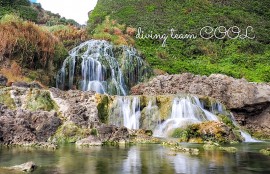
{"x":127,"y":112}
{"x":247,"y":137}
{"x":99,"y":66}
{"x":185,"y":110}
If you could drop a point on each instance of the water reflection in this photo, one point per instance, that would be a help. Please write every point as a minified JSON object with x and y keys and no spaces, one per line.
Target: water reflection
{"x":138,"y":160}
{"x":133,"y":162}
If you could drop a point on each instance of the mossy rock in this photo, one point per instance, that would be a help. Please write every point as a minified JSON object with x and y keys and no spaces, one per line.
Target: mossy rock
{"x":265,"y":151}
{"x":40,"y":100}
{"x":164,"y":102}
{"x":260,"y":135}
{"x":229,"y":149}
{"x":103,"y":105}
{"x":5,"y":98}
{"x":70,"y":133}
{"x":206,"y":131}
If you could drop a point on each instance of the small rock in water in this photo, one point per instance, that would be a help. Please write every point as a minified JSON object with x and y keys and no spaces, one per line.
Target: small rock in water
{"x":265,"y":151}
{"x":229,"y":149}
{"x":90,"y":141}
{"x":25,"y":167}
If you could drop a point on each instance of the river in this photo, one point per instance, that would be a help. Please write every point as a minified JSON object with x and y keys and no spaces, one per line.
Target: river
{"x":139,"y":159}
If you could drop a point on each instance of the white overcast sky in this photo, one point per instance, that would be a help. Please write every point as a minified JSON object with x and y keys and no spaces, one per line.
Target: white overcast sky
{"x":70,"y":9}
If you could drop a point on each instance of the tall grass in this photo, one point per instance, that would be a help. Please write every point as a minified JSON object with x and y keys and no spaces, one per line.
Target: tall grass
{"x":69,"y":35}
{"x":27,"y":42}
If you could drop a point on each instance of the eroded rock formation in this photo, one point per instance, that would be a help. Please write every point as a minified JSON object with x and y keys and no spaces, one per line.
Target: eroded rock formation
{"x":250,"y":102}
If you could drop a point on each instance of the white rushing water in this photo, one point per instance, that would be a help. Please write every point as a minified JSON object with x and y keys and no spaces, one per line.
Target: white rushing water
{"x":126,"y":112}
{"x":100,"y":69}
{"x":185,"y":110}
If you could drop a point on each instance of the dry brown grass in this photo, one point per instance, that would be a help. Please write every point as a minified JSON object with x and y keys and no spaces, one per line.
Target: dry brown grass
{"x":25,"y":40}
{"x":13,"y":73}
{"x":71,"y":36}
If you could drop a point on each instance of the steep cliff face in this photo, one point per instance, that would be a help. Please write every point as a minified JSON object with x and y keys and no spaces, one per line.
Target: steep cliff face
{"x":250,"y":102}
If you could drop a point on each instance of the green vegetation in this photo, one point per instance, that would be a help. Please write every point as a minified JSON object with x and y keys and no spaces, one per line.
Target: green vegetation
{"x":103,"y":108}
{"x":70,"y":133}
{"x":20,"y":7}
{"x":235,"y":57}
{"x":206,"y":131}
{"x":265,"y":151}
{"x":40,"y":100}
{"x":6,"y":99}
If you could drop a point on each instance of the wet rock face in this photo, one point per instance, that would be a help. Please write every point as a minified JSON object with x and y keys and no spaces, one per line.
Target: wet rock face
{"x":248,"y":101}
{"x":3,"y":80}
{"x":20,"y":126}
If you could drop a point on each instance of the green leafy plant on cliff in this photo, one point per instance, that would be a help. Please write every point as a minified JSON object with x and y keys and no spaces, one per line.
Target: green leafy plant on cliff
{"x":248,"y":58}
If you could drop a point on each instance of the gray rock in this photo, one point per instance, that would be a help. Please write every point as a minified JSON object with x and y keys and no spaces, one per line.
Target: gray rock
{"x":79,"y":107}
{"x":3,"y":80}
{"x":89,"y":141}
{"x":22,"y":126}
{"x":21,"y":84}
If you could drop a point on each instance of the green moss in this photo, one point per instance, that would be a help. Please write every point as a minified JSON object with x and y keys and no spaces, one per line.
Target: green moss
{"x":6,"y":99}
{"x":70,"y":133}
{"x":228,"y":121}
{"x":261,"y":135}
{"x":228,"y":149}
{"x":94,"y":132}
{"x":103,"y":108}
{"x":40,"y":100}
{"x":206,"y":131}
{"x":182,"y":134}
{"x":265,"y":151}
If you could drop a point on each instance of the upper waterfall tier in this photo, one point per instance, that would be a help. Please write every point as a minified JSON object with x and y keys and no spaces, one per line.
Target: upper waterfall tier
{"x":100,"y":66}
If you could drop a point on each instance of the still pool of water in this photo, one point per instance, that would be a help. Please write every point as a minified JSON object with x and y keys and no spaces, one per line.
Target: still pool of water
{"x":139,"y":159}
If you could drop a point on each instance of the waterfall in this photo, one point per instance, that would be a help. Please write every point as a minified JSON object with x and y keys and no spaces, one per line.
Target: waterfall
{"x":185,"y":110}
{"x":126,"y":112}
{"x":151,"y":114}
{"x":99,"y":66}
{"x":247,"y":137}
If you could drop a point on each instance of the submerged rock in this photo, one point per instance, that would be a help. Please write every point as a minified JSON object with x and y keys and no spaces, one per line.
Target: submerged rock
{"x":25,"y":167}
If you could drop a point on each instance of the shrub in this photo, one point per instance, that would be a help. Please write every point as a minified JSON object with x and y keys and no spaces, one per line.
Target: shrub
{"x":112,"y":31}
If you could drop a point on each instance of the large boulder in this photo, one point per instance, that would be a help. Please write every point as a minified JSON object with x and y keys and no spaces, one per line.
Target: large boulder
{"x":250,"y":102}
